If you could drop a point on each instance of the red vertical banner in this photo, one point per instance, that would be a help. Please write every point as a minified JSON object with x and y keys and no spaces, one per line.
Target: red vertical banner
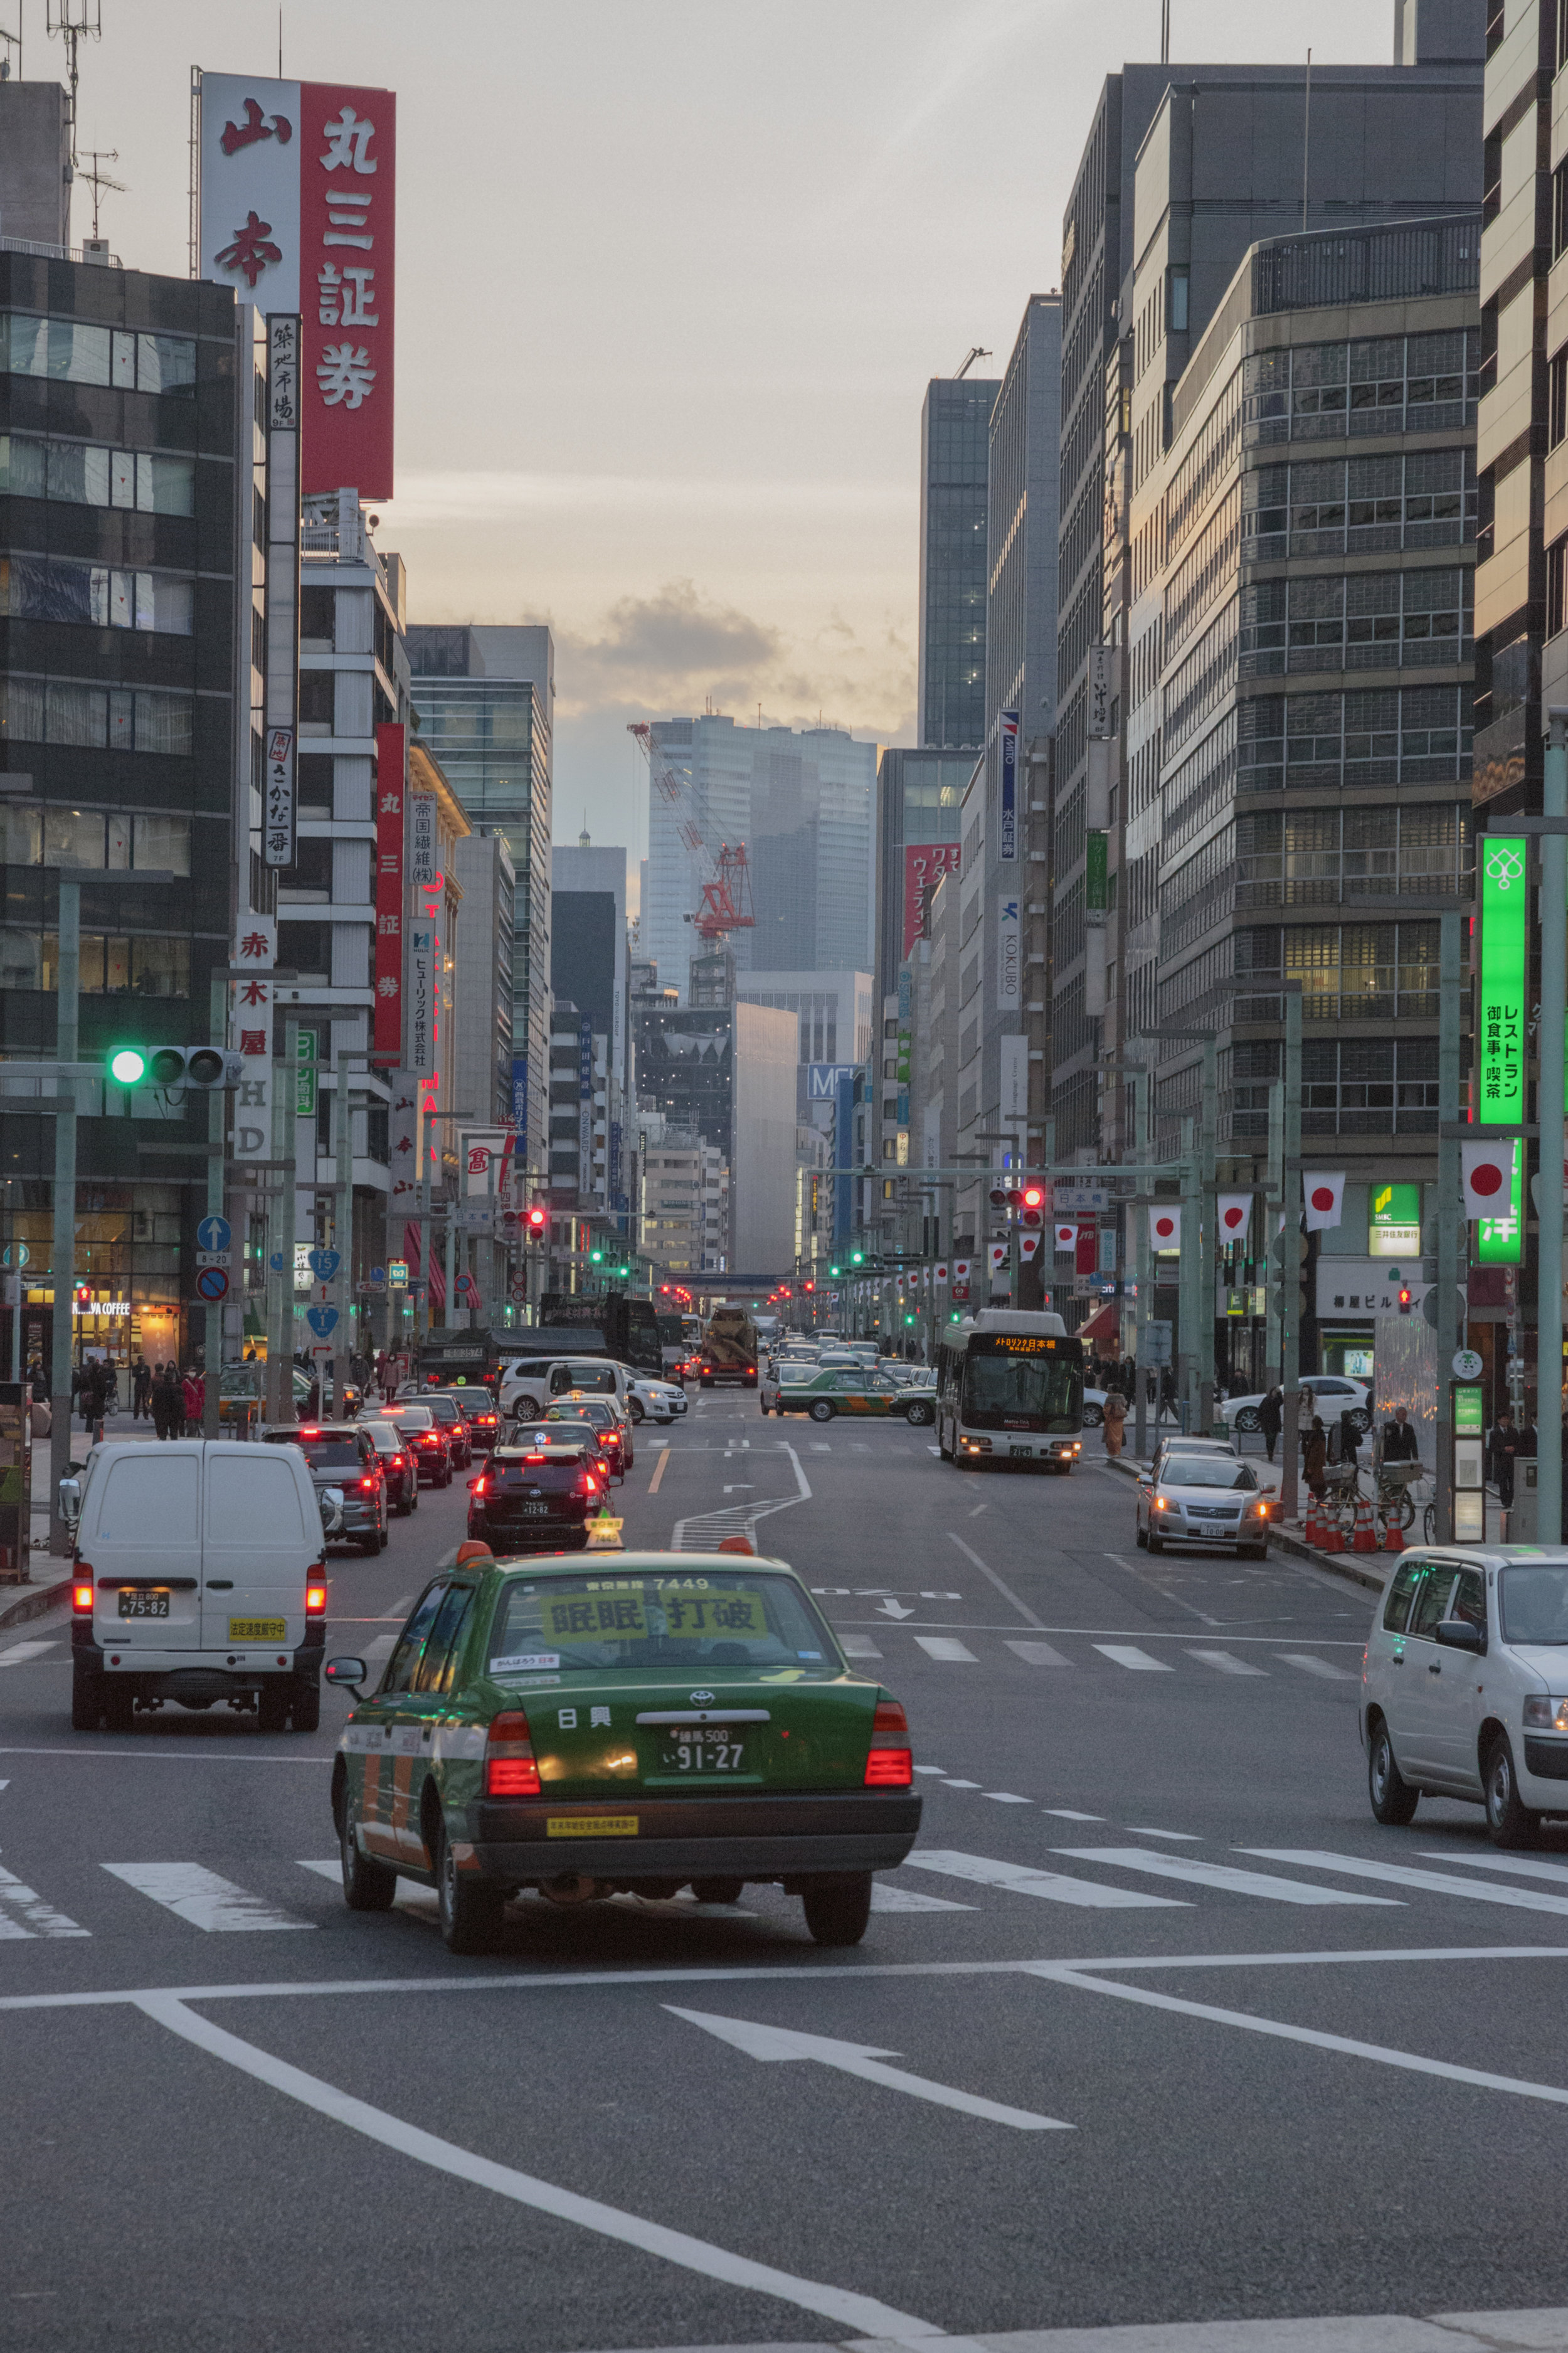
{"x":348,"y":161}
{"x":387,"y":973}
{"x":925,"y":863}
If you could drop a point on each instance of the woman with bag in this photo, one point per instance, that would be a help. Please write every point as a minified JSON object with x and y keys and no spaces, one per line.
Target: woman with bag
{"x":1115,"y":1413}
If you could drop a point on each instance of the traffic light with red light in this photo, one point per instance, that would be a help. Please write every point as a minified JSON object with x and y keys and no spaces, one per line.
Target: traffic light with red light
{"x":536,"y":1223}
{"x":1033,"y":1210}
{"x":1406,"y":1297}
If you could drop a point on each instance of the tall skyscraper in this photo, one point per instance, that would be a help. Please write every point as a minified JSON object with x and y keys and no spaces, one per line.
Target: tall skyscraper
{"x":485,"y":700}
{"x":955,"y":426}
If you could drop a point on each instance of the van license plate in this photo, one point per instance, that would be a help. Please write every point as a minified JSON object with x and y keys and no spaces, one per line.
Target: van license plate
{"x":145,"y":1604}
{"x":257,"y":1629}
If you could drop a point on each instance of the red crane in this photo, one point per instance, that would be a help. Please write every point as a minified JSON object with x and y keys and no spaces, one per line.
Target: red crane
{"x":726,"y":904}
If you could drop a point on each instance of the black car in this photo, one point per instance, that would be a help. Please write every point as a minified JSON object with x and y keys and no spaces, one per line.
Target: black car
{"x":529,"y":1499}
{"x":478,"y":1411}
{"x":342,"y":1455}
{"x":427,"y":1443}
{"x":452,"y":1422}
{"x":399,"y":1468}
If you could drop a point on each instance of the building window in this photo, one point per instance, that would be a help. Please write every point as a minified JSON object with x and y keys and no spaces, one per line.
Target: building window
{"x":1558,"y":211}
{"x":1557,"y":399}
{"x":1176,"y":315}
{"x":83,"y":474}
{"x":72,"y":352}
{"x":1556,"y":587}
{"x":58,"y":589}
{"x":95,"y":718}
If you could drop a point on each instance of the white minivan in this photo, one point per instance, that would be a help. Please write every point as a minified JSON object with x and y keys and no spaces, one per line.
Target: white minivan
{"x":199,"y":1576}
{"x":1465,"y":1686}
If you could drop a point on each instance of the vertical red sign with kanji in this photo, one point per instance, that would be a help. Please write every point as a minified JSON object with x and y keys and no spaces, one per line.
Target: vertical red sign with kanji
{"x":348,"y":152}
{"x":925,"y":863}
{"x":387,"y":978}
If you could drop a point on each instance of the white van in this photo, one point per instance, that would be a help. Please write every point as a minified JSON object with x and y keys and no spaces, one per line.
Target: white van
{"x":200,"y":1576}
{"x":531,"y":1383}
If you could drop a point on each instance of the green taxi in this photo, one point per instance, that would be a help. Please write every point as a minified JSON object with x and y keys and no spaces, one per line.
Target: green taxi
{"x":642,"y":1722}
{"x":825,"y":1395}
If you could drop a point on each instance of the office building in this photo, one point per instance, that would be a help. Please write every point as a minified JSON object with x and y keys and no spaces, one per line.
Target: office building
{"x":955,"y":426}
{"x":834,"y":1008}
{"x":589,"y":967}
{"x":685,"y":1203}
{"x":728,"y":1074}
{"x":481,"y":994}
{"x":1219,"y":168}
{"x":484,"y":698}
{"x":919,"y":796}
{"x":801,"y":801}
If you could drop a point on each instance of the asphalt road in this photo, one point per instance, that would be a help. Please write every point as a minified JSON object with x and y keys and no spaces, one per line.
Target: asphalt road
{"x":1162,"y":2037}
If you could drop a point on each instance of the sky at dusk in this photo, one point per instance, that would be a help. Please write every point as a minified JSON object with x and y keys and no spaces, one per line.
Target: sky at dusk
{"x":672,"y":277}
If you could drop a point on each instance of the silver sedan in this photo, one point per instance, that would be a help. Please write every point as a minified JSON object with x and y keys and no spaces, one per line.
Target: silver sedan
{"x":1207,"y":1500}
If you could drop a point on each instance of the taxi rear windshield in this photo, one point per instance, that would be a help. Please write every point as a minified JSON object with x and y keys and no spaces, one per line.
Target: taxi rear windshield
{"x":560,"y":1433}
{"x":700,"y":1624}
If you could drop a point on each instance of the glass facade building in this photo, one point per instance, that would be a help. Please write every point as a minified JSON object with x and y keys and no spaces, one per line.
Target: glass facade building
{"x":955,"y":430}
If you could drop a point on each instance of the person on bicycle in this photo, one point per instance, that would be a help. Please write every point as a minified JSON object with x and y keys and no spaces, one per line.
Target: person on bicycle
{"x":1400,"y":1441}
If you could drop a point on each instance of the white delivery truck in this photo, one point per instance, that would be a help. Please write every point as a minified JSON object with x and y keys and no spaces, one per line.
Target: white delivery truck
{"x":199,"y":1576}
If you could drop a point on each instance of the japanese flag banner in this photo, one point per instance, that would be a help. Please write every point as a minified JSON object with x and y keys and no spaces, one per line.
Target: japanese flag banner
{"x":1066,"y":1237}
{"x":960,"y":1270}
{"x":1028,"y":1244}
{"x":1233,"y":1215}
{"x":1489,"y":1174}
{"x":942,"y":1276}
{"x":999,"y":1252}
{"x":1322,"y":1197}
{"x":1164,"y":1228}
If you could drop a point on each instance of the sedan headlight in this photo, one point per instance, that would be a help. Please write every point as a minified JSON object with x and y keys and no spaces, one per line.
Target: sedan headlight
{"x":1546,"y":1714}
{"x":1160,"y":1504}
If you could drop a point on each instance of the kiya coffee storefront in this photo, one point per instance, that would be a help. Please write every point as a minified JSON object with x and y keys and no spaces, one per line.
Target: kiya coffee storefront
{"x":127,"y":1302}
{"x":1361,"y":1265}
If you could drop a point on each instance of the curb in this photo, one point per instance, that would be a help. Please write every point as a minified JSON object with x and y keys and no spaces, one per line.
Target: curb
{"x":35,"y":1603}
{"x":1333,"y":1564}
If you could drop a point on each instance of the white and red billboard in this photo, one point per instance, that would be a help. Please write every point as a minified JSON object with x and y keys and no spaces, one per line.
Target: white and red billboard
{"x":387,"y":969}
{"x":299,"y":213}
{"x":925,"y":863}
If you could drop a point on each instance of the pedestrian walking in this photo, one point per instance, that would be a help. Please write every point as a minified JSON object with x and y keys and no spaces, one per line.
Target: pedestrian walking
{"x":89,"y":1394}
{"x":167,"y":1404}
{"x":1271,"y":1418}
{"x":1168,"y":1394}
{"x":190,"y":1403}
{"x":1400,"y":1442}
{"x":1502,"y":1447}
{"x":141,"y":1390}
{"x":1315,"y":1457}
{"x":1115,"y":1411}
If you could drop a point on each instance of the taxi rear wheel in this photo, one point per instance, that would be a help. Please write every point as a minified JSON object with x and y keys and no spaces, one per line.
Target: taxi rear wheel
{"x":367,"y":1886}
{"x":837,"y":1912}
{"x":821,"y":1410}
{"x":469,"y":1907}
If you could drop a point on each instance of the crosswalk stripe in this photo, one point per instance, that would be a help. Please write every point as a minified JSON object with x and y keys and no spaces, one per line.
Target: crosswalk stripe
{"x":1523,"y":1899}
{"x":1556,"y":1870}
{"x":24,"y":1913}
{"x":1037,"y":1654}
{"x":943,"y":1646}
{"x":1314,"y":1666}
{"x":885,"y":1897}
{"x":1221,"y":1875}
{"x":821,"y":1446}
{"x":20,"y":1652}
{"x":1225,"y":1663}
{"x":1053,"y":1886}
{"x":201,"y":1897}
{"x":1127,"y":1654}
{"x":856,"y":1646}
{"x":1006,"y":1797}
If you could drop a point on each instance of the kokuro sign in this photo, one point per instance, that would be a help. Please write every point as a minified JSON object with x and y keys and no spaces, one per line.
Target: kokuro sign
{"x":298,"y":213}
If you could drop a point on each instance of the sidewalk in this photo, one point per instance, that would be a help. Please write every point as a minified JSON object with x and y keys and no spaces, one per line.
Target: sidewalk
{"x":49,"y":1576}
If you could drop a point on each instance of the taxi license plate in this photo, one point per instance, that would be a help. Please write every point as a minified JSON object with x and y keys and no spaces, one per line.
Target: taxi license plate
{"x":590,"y":1825}
{"x":706,"y":1748}
{"x":257,"y":1629}
{"x":143,"y":1605}
{"x":533,"y":1511}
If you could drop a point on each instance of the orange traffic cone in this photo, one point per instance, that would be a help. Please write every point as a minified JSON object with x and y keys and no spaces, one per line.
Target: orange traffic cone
{"x":1392,"y":1537}
{"x":1310,"y":1527}
{"x":1329,"y":1539}
{"x":1366,"y":1536}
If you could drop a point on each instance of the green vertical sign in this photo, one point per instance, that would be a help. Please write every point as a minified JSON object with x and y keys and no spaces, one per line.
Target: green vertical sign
{"x":1469,"y":1421}
{"x":1500,"y":998}
{"x":305,"y":1081}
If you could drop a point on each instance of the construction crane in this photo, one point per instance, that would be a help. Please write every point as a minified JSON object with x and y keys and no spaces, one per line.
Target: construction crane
{"x":726,"y":905}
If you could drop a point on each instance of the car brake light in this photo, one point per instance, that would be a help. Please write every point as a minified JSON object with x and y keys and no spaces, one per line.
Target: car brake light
{"x":510,"y":1770}
{"x":478,"y":1486}
{"x":533,"y":1458}
{"x":310,"y":1433}
{"x":590,"y":1484}
{"x":81,"y":1590}
{"x":316,"y":1589}
{"x":889,"y":1765}
{"x":366,"y":1485}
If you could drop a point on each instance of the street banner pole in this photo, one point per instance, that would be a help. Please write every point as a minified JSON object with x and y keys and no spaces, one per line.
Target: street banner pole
{"x":1268,"y":1212}
{"x":1451,"y":1224}
{"x":68,"y":981}
{"x":1209,"y":1150}
{"x":1549,"y":1212}
{"x":343,"y":1228}
{"x":288,"y":1221}
{"x":1144,"y":1085}
{"x":1190,"y":1269}
{"x":1290,"y":1257}
{"x":218,"y":1122}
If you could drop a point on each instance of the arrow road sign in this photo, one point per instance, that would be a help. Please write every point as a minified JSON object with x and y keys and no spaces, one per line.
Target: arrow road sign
{"x":324,"y":1263}
{"x":859,"y":2059}
{"x":277,"y":1261}
{"x":322,"y":1320}
{"x":15,"y":1254}
{"x":214,"y":1234}
{"x":212,"y":1284}
{"x":894,"y":1610}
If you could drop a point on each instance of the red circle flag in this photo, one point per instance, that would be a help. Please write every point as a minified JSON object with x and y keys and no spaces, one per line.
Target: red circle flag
{"x":1163,"y":1226}
{"x":1233,"y":1216}
{"x":1486,"y":1179}
{"x":1322,"y":1197}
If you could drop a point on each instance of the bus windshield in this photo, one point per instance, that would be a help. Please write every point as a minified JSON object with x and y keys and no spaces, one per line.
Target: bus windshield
{"x":1018,"y":1392}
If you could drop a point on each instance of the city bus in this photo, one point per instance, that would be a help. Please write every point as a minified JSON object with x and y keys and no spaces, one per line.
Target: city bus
{"x":1010,"y":1389}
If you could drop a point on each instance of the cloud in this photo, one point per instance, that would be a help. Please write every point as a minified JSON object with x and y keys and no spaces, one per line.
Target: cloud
{"x":675,"y":635}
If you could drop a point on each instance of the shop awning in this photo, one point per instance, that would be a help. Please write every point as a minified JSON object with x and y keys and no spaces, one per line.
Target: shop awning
{"x":1102,"y":1325}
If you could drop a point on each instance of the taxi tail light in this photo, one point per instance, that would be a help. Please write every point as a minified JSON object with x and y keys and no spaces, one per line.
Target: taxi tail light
{"x":81,"y":1590}
{"x":510,"y":1770}
{"x":316,"y":1589}
{"x":590,"y":1484}
{"x":890,"y":1764}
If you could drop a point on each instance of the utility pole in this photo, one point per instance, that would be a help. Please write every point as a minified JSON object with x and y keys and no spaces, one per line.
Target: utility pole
{"x":1549,"y":1114}
{"x":285,"y":1225}
{"x":1451,"y":1227}
{"x":218,"y":1121}
{"x":68,"y":982}
{"x":343,"y":1221}
{"x":1290,"y":1257}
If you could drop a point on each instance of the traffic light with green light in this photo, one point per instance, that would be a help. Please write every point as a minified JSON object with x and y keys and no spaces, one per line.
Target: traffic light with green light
{"x":595,"y":1257}
{"x":208,"y":1067}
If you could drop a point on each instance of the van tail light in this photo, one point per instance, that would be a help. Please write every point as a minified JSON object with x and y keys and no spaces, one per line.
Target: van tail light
{"x":889,"y":1765}
{"x":316,"y":1589}
{"x":510,"y":1770}
{"x":81,"y":1590}
{"x":366,"y":1486}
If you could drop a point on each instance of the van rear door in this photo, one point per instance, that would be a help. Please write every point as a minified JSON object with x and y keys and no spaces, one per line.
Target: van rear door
{"x":144,"y":1548}
{"x":258,"y":1546}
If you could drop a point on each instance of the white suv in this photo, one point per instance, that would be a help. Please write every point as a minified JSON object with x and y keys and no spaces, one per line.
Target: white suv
{"x":1465,"y":1686}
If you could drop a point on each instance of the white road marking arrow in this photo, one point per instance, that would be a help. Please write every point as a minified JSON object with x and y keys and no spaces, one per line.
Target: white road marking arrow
{"x":859,"y":2059}
{"x":894,"y":1610}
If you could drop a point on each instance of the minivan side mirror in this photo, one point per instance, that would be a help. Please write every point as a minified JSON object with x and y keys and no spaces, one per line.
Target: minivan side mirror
{"x":1458,"y":1634}
{"x":347,"y":1673}
{"x":331,"y":1503}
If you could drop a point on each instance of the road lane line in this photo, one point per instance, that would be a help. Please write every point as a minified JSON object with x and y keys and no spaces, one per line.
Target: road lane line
{"x":660,"y":1467}
{"x":1071,"y":1814}
{"x":1223,"y":1876}
{"x":952,"y":1783}
{"x":204,"y":1753}
{"x":1006,"y":1591}
{"x":863,"y":2312}
{"x":856,"y":1646}
{"x":1410,"y":2059}
{"x":1555,"y":1871}
{"x":201,"y":1897}
{"x":1053,"y":1886}
{"x":885,"y":1897}
{"x":1525,"y":1899}
{"x":1312,"y":1666}
{"x":931,"y":1768}
{"x":24,"y":1913}
{"x":1141,"y":1829}
{"x":20,"y":1652}
{"x":943,"y":1646}
{"x":1226,"y":1665}
{"x":773,"y":2044}
{"x":1127,"y":1654}
{"x":1037,"y":1654}
{"x":1005,"y":1798}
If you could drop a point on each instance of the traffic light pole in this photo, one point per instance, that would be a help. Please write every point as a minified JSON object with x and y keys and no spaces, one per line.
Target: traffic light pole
{"x":68,"y":981}
{"x":1549,"y":1114}
{"x":217,"y":1119}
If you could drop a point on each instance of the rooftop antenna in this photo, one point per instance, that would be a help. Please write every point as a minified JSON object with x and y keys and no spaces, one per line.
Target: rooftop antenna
{"x":12,"y":41}
{"x":1306,"y":140}
{"x":98,"y":179}
{"x":977,"y":354}
{"x":1165,"y":32}
{"x":75,"y":21}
